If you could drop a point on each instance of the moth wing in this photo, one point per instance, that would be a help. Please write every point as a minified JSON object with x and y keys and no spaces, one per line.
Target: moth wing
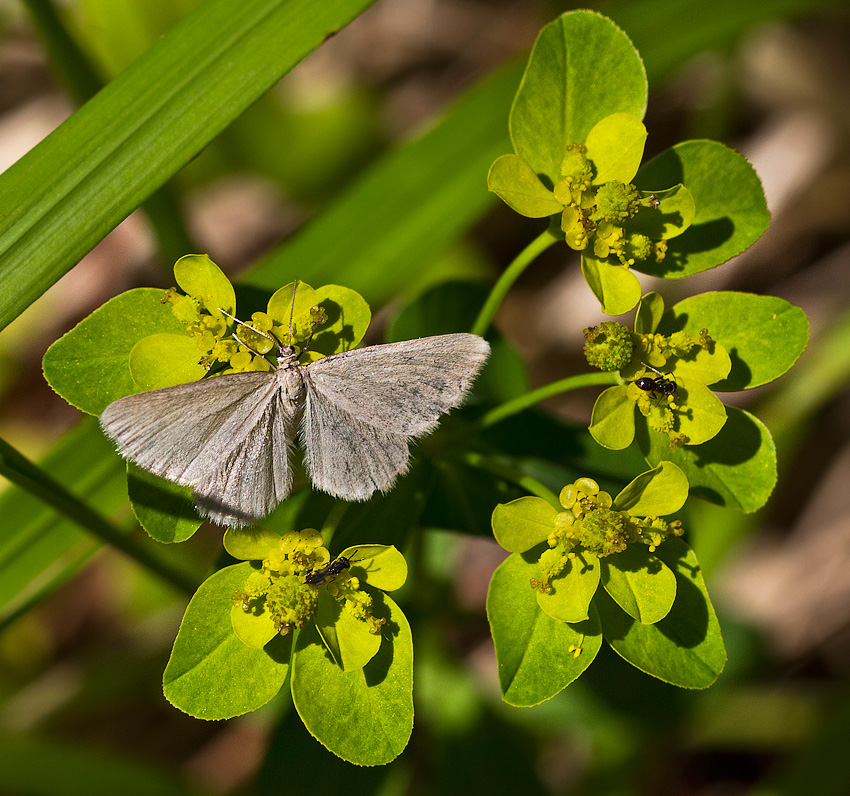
{"x":228,"y":438}
{"x":402,"y":387}
{"x":362,"y":407}
{"x":344,"y":456}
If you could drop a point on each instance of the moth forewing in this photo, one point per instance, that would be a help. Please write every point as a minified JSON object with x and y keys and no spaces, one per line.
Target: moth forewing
{"x":364,"y":406}
{"x":227,"y":438}
{"x":401,"y":387}
{"x":252,"y":479}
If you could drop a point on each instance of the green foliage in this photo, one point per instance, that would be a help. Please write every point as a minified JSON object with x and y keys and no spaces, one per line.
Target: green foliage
{"x":40,"y":549}
{"x":109,"y":355}
{"x":207,"y":651}
{"x":349,"y":668}
{"x":685,"y":647}
{"x":582,"y":69}
{"x":764,"y":335}
{"x":365,"y":716}
{"x":538,"y":656}
{"x":583,"y":565}
{"x":730,"y":211}
{"x":578,"y":137}
{"x":164,"y":509}
{"x":90,"y":365}
{"x":754,"y":340}
{"x":383,"y":236}
{"x":638,"y":569}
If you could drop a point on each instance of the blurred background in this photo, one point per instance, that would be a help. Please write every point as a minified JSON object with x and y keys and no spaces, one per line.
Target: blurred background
{"x":81,"y":707}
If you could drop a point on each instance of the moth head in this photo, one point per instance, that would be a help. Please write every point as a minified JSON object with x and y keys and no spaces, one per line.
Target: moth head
{"x":286,"y":353}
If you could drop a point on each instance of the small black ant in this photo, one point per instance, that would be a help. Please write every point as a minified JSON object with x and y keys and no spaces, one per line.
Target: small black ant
{"x":334,"y":568}
{"x":657,"y":387}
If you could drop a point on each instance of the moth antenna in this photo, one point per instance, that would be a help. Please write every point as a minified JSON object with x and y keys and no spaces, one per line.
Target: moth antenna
{"x":292,"y":311}
{"x":248,"y":326}
{"x":256,"y":331}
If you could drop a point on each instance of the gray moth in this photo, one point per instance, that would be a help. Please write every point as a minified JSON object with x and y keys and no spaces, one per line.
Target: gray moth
{"x":230,"y":437}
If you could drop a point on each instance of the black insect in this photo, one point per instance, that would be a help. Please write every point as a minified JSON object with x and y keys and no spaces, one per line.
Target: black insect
{"x":657,"y":387}
{"x":330,"y":570}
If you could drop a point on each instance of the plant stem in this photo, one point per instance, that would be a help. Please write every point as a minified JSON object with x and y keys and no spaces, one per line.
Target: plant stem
{"x":516,"y":405}
{"x":69,"y":62}
{"x":333,"y":520}
{"x":21,"y":471}
{"x":510,"y":275}
{"x":512,"y":474}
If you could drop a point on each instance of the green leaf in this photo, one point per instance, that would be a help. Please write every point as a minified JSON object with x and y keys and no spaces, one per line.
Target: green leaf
{"x":365,"y":716}
{"x":198,"y":275}
{"x":649,"y":313}
{"x":572,"y":590}
{"x":731,"y":213}
{"x":660,"y":491}
{"x":701,"y":415}
{"x":347,"y":638}
{"x":442,"y":309}
{"x":90,"y":365}
{"x":615,"y":286}
{"x":349,"y":317}
{"x":211,"y":674}
{"x":516,"y":184}
{"x":165,"y":359}
{"x":674,"y":214}
{"x":254,"y":628}
{"x":391,"y":518}
{"x":532,"y":649}
{"x":582,"y":69}
{"x":615,"y":145}
{"x":764,"y":335}
{"x":381,"y":566}
{"x":164,"y":509}
{"x":252,"y":543}
{"x":523,"y":523}
{"x":707,"y":367}
{"x":612,"y":423}
{"x":685,"y":648}
{"x":142,"y":128}
{"x":640,"y":583}
{"x":736,"y":468}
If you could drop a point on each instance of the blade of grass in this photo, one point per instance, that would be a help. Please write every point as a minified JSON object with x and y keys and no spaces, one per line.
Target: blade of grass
{"x":80,"y":78}
{"x":39,"y":548}
{"x":22,"y":472}
{"x":75,"y":186}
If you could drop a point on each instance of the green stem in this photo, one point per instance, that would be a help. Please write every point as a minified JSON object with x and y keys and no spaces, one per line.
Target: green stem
{"x":21,"y":471}
{"x":510,"y":275}
{"x":70,"y":63}
{"x":512,"y":474}
{"x":516,"y":405}
{"x":333,"y":520}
